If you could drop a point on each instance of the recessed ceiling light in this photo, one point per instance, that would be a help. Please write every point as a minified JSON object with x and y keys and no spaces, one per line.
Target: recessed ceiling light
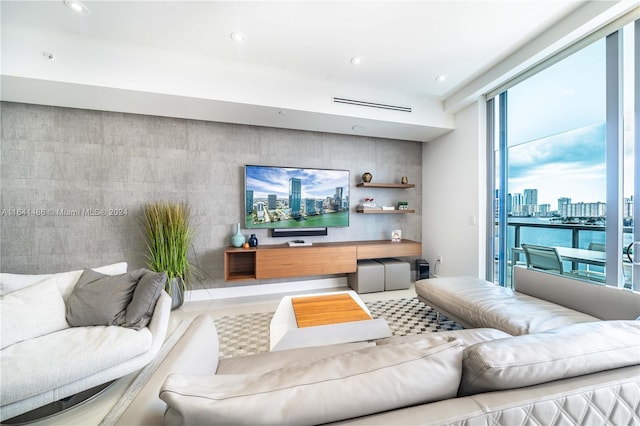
{"x":47,"y":55}
{"x":356,"y":60}
{"x":238,"y":37}
{"x":76,"y":6}
{"x":358,"y":128}
{"x":441,"y":78}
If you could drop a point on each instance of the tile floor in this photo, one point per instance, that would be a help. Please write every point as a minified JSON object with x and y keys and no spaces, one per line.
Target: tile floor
{"x":91,"y":412}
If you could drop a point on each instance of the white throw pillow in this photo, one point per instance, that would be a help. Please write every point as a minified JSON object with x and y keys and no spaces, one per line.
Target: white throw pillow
{"x":34,"y":305}
{"x":13,"y":282}
{"x":112,"y":269}
{"x":32,"y":312}
{"x":65,"y":280}
{"x":352,"y":384}
{"x":561,"y":353}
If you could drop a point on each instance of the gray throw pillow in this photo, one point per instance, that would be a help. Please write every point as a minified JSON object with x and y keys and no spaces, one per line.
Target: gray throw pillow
{"x":144,"y":300}
{"x":99,"y":299}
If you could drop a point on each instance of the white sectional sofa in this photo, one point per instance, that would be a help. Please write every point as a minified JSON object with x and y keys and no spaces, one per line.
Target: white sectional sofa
{"x":463,"y":377}
{"x":578,"y":371}
{"x":43,"y":359}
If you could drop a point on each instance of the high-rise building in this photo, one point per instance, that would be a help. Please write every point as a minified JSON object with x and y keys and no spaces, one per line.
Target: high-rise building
{"x":272,"y":201}
{"x":627,"y":210}
{"x":531,"y":196}
{"x":562,"y":203}
{"x":248,"y":201}
{"x":598,"y":209}
{"x":295,"y":197}
{"x":516,"y":204}
{"x":309,"y":206}
{"x":337,"y":198}
{"x":543,"y":209}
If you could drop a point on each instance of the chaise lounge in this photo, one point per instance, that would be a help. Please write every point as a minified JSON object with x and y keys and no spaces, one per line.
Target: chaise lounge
{"x":539,"y":301}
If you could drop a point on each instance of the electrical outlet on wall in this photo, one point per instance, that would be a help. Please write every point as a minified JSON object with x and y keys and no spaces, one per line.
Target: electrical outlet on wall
{"x":439,"y":259}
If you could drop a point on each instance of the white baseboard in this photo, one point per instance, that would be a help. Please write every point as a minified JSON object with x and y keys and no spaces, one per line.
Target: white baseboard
{"x":262,"y":289}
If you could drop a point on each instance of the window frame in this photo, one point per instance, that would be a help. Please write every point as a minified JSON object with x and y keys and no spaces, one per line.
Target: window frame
{"x":497,"y":156}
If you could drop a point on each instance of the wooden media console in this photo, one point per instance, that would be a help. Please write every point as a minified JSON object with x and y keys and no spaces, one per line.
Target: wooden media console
{"x":282,"y":261}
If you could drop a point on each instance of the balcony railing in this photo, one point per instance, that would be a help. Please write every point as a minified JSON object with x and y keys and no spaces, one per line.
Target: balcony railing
{"x":555,"y":234}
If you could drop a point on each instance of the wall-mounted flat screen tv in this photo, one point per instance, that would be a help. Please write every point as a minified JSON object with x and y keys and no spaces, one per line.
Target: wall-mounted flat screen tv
{"x":290,"y":197}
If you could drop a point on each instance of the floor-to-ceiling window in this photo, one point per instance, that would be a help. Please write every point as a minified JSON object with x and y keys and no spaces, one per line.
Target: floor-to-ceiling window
{"x":564,"y":153}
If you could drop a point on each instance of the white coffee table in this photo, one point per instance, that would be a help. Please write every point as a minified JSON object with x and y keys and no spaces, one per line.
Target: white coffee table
{"x":285,"y":333}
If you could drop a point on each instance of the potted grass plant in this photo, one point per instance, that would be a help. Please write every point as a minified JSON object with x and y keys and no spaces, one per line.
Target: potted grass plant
{"x":168,"y":233}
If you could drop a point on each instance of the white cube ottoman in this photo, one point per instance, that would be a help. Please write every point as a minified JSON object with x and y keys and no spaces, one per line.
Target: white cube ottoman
{"x":397,"y":274}
{"x":369,"y":277}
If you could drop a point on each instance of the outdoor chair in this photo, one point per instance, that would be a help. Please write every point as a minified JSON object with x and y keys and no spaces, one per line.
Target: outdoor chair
{"x":595,"y":275}
{"x":548,"y":259}
{"x":543,"y":258}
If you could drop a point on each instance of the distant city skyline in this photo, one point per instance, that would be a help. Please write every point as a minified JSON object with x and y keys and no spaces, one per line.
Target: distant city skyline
{"x":526,"y":204}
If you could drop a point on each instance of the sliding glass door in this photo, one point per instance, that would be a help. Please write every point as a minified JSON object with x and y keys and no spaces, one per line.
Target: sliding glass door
{"x":631,"y":136}
{"x":564,"y":157}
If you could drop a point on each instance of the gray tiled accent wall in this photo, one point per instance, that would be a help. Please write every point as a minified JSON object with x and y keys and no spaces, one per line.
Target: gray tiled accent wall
{"x":66,"y":159}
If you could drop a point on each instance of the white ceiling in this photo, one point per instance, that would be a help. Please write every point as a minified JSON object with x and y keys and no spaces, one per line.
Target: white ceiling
{"x":296,"y":56}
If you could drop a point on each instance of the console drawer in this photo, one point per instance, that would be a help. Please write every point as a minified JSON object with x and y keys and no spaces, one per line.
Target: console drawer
{"x":301,"y":261}
{"x":375,"y":250}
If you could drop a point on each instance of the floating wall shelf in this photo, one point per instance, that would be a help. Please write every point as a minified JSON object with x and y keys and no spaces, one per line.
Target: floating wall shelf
{"x":386,"y":185}
{"x":380,"y":211}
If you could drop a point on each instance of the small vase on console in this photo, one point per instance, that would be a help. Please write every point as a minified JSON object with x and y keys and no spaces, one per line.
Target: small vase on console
{"x":237,"y":240}
{"x":253,"y":241}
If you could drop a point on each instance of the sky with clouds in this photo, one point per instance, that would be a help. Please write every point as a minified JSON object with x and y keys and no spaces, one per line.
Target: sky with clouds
{"x":556,"y":130}
{"x":316,"y":183}
{"x":570,"y":164}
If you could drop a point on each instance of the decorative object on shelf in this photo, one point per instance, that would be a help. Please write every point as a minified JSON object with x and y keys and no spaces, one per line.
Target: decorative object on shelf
{"x":388,"y":208}
{"x":366,"y":177}
{"x":396,"y":235}
{"x":405,"y":180}
{"x":168,"y":232}
{"x":253,"y":241}
{"x":369,"y":204}
{"x":299,"y":243}
{"x":403,"y":205}
{"x":237,"y":240}
{"x":245,"y":245}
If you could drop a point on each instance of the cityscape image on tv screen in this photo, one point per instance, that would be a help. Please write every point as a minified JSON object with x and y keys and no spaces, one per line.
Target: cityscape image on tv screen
{"x":288,"y":197}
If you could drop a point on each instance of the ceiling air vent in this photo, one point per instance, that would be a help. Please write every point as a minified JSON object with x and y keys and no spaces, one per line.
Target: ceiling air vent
{"x":371,"y":104}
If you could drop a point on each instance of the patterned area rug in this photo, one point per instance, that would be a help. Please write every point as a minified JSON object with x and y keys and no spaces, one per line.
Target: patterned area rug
{"x":248,"y":334}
